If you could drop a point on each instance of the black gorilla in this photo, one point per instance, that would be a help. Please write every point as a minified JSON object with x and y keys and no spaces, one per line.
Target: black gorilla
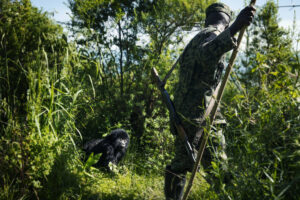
{"x":113,"y":148}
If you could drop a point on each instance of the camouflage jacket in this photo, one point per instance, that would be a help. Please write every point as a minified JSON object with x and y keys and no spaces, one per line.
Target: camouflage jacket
{"x":201,"y":67}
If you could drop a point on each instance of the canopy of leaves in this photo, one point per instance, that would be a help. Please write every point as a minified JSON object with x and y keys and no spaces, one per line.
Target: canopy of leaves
{"x":130,"y":37}
{"x":24,"y":30}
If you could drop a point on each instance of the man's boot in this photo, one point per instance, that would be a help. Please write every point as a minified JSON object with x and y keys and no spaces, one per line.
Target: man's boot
{"x":174,"y":184}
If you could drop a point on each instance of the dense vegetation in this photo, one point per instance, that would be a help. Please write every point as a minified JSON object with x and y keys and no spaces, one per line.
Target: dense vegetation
{"x":58,"y":91}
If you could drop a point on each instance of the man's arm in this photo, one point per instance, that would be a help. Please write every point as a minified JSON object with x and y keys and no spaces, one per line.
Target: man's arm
{"x":212,"y":49}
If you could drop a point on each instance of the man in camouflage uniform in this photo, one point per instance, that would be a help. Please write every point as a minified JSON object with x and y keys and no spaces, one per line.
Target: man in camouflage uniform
{"x":201,"y":67}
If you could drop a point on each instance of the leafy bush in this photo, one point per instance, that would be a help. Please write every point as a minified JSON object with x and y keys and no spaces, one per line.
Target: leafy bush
{"x":37,"y":104}
{"x":262,"y":107}
{"x":158,"y":144}
{"x":262,"y":141}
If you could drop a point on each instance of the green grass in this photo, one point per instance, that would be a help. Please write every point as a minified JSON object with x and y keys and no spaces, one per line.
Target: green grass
{"x":129,"y":185}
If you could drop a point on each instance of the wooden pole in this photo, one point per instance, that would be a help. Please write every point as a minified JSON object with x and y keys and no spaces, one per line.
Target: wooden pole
{"x":212,"y":113}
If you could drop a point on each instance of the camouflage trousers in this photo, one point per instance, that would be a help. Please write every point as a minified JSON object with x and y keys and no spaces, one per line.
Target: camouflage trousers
{"x":215,"y":150}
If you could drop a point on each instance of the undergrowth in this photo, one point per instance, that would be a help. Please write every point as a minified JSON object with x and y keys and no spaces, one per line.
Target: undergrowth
{"x":55,"y":96}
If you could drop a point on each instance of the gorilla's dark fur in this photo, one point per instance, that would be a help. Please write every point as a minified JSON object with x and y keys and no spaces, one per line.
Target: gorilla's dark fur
{"x":113,"y":148}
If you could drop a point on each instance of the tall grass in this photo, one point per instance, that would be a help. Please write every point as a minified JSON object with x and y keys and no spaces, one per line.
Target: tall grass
{"x":53,"y":97}
{"x":262,"y":136}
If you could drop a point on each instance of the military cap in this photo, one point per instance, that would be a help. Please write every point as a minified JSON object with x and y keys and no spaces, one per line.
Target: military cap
{"x":219,"y":7}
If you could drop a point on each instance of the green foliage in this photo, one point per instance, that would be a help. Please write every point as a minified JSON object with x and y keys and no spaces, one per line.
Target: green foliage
{"x":262,"y":140}
{"x":124,"y":183}
{"x":269,"y":56}
{"x":55,"y":95}
{"x":262,"y":107}
{"x":157,"y":144}
{"x":92,"y":159}
{"x":25,"y":32}
{"x":37,"y":108}
{"x":129,"y":38}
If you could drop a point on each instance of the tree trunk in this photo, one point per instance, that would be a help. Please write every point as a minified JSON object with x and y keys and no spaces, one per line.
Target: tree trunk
{"x":121,"y":58}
